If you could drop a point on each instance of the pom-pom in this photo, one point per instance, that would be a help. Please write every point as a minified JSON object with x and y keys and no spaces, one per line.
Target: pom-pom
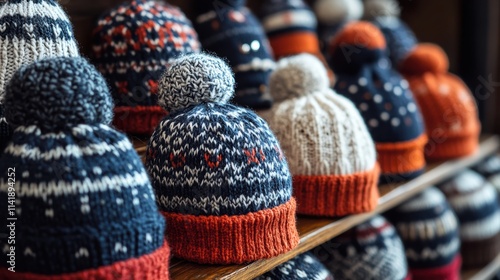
{"x":425,"y":58}
{"x":194,"y":79}
{"x":297,"y":76}
{"x":57,"y":93}
{"x":381,"y":8}
{"x":337,"y":11}
{"x":360,"y":34}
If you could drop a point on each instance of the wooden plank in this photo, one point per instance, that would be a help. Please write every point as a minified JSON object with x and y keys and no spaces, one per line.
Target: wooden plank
{"x":485,"y":273}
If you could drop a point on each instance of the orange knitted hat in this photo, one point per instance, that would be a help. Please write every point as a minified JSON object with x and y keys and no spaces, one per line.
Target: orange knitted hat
{"x":446,"y":103}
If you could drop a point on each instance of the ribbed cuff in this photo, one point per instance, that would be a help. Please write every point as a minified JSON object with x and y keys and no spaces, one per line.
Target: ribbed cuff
{"x":448,"y":272}
{"x":293,"y":43}
{"x":138,"y":119}
{"x":480,"y":252}
{"x":402,"y":157}
{"x":233,"y":239}
{"x":336,"y":195}
{"x":453,"y":147}
{"x":153,"y":266}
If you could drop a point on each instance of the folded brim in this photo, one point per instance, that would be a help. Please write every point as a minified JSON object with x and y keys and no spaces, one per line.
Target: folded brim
{"x":452,"y":146}
{"x":233,"y":239}
{"x":478,"y":253}
{"x":448,"y":272}
{"x":336,"y":195}
{"x":153,"y":266}
{"x":402,"y":157}
{"x":138,"y":119}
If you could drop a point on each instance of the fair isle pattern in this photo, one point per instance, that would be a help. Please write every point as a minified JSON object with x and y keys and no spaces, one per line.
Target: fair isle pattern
{"x":372,"y":250}
{"x":31,"y":30}
{"x":227,"y":163}
{"x":135,"y":42}
{"x":302,"y":267}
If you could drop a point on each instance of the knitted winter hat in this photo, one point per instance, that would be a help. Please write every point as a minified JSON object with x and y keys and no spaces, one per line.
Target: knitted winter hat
{"x":133,"y":44}
{"x":330,"y":152}
{"x":83,"y":202}
{"x":29,"y":31}
{"x":365,"y":77}
{"x":220,"y":177}
{"x":305,"y":266}
{"x":490,"y":169}
{"x":291,"y":28}
{"x":475,"y":203}
{"x":229,"y":29}
{"x":447,"y":104}
{"x":429,"y":232}
{"x":372,"y":250}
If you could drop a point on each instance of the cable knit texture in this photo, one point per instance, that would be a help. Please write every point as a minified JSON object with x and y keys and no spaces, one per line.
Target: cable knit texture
{"x":330,"y":152}
{"x":132,"y":45}
{"x":432,"y":253}
{"x":84,"y":205}
{"x":475,"y":203}
{"x":220,"y":177}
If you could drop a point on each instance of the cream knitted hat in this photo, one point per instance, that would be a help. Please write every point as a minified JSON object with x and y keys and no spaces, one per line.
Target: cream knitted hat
{"x":330,"y":152}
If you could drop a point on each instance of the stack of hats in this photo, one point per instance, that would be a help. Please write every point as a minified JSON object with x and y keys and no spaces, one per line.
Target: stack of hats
{"x":30,"y":30}
{"x":385,"y":15}
{"x":304,"y":266}
{"x":229,"y":29}
{"x":429,"y":230}
{"x":220,"y":176}
{"x":291,"y":28}
{"x":371,"y":250}
{"x":132,"y":44}
{"x":332,"y":15}
{"x":490,"y":169}
{"x":447,"y":105}
{"x":84,"y":206}
{"x":331,"y":155}
{"x":386,"y":103}
{"x":476,"y":205}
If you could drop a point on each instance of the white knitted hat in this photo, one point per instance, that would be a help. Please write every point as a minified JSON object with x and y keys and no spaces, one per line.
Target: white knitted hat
{"x":29,"y":31}
{"x":329,"y":150}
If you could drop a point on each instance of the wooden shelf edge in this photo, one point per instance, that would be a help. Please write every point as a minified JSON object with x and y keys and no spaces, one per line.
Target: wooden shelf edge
{"x":332,"y":228}
{"x":485,"y":273}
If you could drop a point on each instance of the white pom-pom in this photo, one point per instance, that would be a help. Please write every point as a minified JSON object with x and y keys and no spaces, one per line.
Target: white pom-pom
{"x":337,"y":11}
{"x":194,"y":79}
{"x":380,"y":8}
{"x":297,"y":76}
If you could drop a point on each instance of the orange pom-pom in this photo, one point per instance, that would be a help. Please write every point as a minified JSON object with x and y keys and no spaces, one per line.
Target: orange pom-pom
{"x":425,"y":58}
{"x":361,"y":34}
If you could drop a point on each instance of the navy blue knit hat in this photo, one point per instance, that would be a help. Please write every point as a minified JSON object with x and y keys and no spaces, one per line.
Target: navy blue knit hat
{"x":230,"y":30}
{"x":303,"y":267}
{"x":83,"y":202}
{"x":385,"y":15}
{"x":386,"y":103}
{"x":371,"y":250}
{"x":220,"y":177}
{"x":490,"y":169}
{"x":5,"y":131}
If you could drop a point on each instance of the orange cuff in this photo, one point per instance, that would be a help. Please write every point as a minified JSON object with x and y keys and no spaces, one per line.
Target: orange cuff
{"x":336,"y":195}
{"x":453,"y":146}
{"x":233,"y":239}
{"x":402,"y":157}
{"x":138,"y":119}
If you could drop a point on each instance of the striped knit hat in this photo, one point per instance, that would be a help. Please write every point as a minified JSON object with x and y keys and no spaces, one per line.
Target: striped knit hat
{"x":132,"y":44}
{"x":447,"y":104}
{"x":220,"y":177}
{"x":490,"y":169}
{"x":364,"y":76}
{"x":29,"y":31}
{"x":372,"y":250}
{"x":330,"y":151}
{"x":291,"y":28}
{"x":475,"y":203}
{"x":229,"y":29}
{"x":428,"y":228}
{"x":82,"y":204}
{"x":303,"y":267}
{"x":385,"y":15}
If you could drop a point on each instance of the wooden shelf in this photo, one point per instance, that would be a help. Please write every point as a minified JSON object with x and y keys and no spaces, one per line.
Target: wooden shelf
{"x":485,"y":273}
{"x":315,"y":231}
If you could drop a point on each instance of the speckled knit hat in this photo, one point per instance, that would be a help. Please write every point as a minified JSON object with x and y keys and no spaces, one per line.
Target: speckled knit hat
{"x":371,"y":250}
{"x":386,"y":103}
{"x":29,"y":31}
{"x":475,"y":202}
{"x":220,"y":177}
{"x":84,"y":206}
{"x":331,"y":155}
{"x":132,"y":45}
{"x":303,"y":267}
{"x":447,"y":104}
{"x":429,"y":230}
